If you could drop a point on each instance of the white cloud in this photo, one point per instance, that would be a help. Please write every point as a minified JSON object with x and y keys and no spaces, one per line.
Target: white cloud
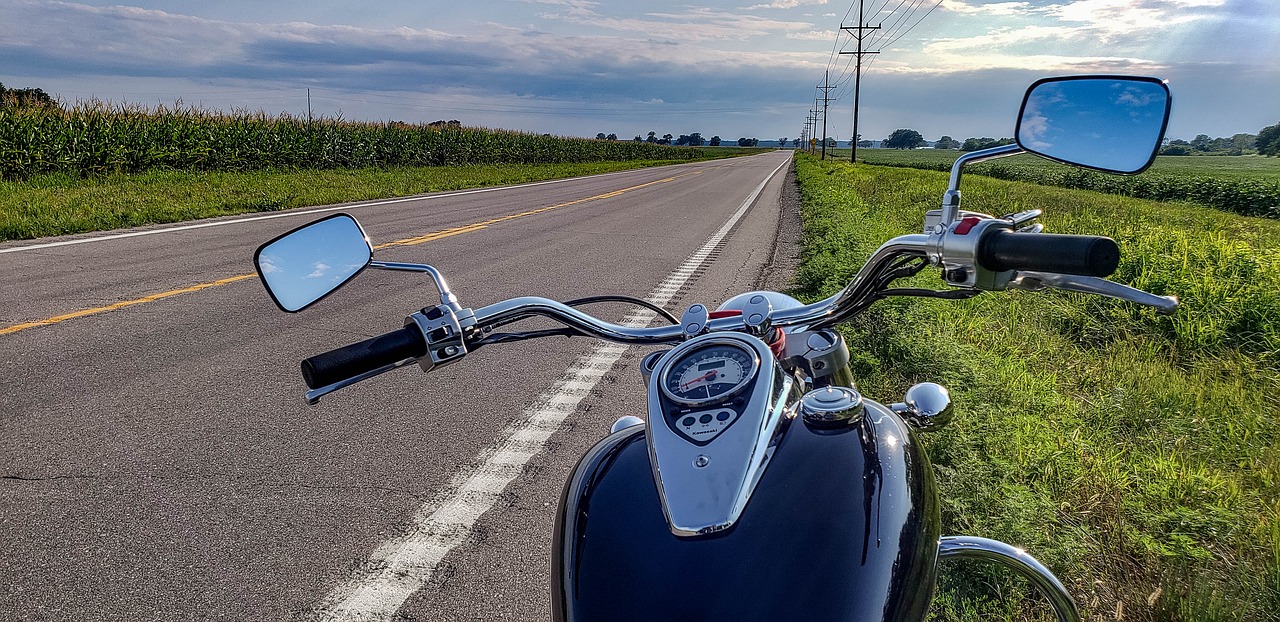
{"x":785,"y":4}
{"x":993,"y":8}
{"x":813,"y":35}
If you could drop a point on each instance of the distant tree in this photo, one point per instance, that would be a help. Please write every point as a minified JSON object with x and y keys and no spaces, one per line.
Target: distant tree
{"x":795,"y":143}
{"x":442,"y":124}
{"x":25,"y":97}
{"x":682,"y":140}
{"x":1268,"y":142}
{"x":748,"y":142}
{"x":696,"y":139}
{"x":782,"y":142}
{"x":1244,"y":141}
{"x":947,"y":142}
{"x":831,"y":142}
{"x":715,"y":141}
{"x":638,"y":138}
{"x":904,"y":139}
{"x":611,"y":136}
{"x":974,"y":144}
{"x":866,"y":143}
{"x":652,"y":138}
{"x":600,"y":136}
{"x":666,"y":139}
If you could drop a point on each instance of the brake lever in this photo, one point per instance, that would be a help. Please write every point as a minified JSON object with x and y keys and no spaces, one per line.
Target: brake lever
{"x":1032,"y":281}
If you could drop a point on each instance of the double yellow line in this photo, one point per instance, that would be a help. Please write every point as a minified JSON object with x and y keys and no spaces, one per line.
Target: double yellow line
{"x":435,"y":235}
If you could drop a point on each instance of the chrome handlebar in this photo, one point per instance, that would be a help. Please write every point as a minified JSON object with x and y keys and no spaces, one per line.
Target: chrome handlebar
{"x":820,"y":314}
{"x":937,"y":247}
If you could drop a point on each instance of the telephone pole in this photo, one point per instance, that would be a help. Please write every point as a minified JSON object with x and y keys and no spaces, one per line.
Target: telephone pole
{"x":813,"y":138}
{"x":826,"y":97}
{"x":858,"y":32}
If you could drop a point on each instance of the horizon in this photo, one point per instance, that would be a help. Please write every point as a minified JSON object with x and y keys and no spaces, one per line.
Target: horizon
{"x":578,"y":68}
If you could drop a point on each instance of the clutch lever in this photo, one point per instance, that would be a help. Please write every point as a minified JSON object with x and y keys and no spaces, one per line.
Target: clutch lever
{"x":1033,"y":281}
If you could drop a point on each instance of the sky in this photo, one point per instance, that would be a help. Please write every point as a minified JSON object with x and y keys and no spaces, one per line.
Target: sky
{"x":729,"y":68}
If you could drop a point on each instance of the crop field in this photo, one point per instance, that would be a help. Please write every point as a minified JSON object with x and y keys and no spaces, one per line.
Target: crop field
{"x":1137,"y":455}
{"x":97,"y":139}
{"x":95,"y":168}
{"x":1248,"y":185}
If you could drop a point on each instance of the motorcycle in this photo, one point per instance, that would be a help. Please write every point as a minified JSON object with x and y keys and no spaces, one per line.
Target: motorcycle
{"x":762,"y":485}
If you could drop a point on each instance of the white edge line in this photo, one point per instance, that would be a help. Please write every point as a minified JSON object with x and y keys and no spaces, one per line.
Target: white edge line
{"x":400,"y":566}
{"x":305,"y":212}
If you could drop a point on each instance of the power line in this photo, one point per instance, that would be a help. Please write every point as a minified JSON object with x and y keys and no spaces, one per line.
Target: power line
{"x":858,"y":33}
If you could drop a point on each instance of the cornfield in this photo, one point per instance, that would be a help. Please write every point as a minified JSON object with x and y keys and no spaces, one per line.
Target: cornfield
{"x":96,"y":138}
{"x":1231,"y":183}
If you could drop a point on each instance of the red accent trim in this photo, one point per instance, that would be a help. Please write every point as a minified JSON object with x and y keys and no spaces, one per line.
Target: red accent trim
{"x":965,"y":225}
{"x":715,"y":315}
{"x":779,"y":343}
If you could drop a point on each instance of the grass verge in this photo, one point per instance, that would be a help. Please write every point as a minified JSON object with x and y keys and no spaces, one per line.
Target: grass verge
{"x":1134,"y":454}
{"x":63,"y":204}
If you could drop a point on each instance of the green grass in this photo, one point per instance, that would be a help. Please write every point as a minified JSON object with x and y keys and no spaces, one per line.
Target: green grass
{"x":62,"y":204}
{"x":1248,"y":185}
{"x":1135,"y":454}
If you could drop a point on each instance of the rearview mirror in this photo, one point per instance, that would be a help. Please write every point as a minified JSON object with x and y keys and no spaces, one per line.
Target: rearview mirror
{"x":1107,"y":123}
{"x":307,"y":264}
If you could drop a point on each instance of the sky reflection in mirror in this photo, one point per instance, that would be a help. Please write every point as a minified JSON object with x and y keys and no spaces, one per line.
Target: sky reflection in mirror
{"x":303,"y":266}
{"x":1112,"y":124}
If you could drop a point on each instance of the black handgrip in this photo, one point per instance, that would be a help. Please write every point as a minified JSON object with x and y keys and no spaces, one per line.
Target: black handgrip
{"x":350,"y":361}
{"x":1085,"y":255}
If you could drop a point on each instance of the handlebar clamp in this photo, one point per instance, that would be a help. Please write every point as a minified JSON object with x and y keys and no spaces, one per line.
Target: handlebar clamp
{"x":956,"y":249}
{"x":444,"y":328}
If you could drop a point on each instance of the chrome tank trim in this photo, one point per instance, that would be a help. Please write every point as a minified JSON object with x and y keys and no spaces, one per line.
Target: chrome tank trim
{"x":1019,"y":561}
{"x":703,"y":489}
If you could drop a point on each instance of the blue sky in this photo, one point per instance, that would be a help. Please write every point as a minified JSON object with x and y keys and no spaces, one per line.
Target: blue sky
{"x":577,"y":67}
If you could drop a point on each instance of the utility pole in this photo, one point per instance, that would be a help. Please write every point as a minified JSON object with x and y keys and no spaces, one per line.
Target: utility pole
{"x":813,"y":136}
{"x":858,"y":33}
{"x":826,"y":97}
{"x":308,"y":106}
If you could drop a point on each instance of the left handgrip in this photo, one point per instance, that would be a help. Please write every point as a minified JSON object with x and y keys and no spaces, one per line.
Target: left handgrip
{"x":350,"y":361}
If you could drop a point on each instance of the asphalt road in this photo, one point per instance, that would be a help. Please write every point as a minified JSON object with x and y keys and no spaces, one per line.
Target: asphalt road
{"x":157,"y":460}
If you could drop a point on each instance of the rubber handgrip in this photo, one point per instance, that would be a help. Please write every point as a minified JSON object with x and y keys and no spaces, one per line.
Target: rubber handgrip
{"x":350,"y":361}
{"x":1084,"y":255}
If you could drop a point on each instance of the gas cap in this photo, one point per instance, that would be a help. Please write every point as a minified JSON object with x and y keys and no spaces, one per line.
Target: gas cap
{"x":832,"y":406}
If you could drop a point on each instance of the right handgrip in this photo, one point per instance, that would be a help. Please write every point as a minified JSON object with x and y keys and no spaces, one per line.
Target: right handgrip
{"x":1084,"y":255}
{"x":350,"y":361}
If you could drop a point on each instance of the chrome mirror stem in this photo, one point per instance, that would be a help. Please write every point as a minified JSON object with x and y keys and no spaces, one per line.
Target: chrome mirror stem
{"x":951,"y":200}
{"x":446,"y":295}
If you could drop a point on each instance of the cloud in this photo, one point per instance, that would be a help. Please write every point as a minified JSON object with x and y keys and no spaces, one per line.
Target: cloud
{"x":993,"y":8}
{"x":785,"y":4}
{"x":813,"y":35}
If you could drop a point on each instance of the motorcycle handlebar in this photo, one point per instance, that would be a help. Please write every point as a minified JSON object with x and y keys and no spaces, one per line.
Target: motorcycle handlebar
{"x":350,"y":361}
{"x":1083,"y":255}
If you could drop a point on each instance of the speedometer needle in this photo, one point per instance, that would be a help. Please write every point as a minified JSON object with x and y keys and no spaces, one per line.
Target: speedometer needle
{"x":710,"y":375}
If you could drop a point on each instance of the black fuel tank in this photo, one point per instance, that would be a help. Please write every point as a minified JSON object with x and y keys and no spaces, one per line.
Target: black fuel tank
{"x":842,"y":526}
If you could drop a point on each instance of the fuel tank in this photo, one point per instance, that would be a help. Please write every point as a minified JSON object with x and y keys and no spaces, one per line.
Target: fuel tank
{"x":843,"y":525}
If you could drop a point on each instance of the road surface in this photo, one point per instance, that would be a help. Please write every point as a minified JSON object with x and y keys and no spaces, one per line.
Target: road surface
{"x":157,"y":460}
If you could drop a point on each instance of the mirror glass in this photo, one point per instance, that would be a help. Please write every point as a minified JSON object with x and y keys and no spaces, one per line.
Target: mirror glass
{"x":1109,"y":123}
{"x":304,"y":265}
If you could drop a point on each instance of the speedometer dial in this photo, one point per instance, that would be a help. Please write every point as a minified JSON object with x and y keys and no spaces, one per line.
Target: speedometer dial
{"x":709,"y":374}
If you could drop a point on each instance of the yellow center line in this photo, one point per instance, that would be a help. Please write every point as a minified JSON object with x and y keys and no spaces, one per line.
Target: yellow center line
{"x":435,"y":235}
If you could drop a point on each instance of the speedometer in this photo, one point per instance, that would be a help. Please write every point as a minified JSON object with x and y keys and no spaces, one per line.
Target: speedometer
{"x":709,"y":374}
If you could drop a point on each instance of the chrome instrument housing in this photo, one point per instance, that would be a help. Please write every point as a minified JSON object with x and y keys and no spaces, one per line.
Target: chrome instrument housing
{"x":704,"y":485}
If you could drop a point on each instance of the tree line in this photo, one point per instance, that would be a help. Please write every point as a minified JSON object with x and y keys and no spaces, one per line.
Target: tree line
{"x":695,"y":139}
{"x":1266,"y":142}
